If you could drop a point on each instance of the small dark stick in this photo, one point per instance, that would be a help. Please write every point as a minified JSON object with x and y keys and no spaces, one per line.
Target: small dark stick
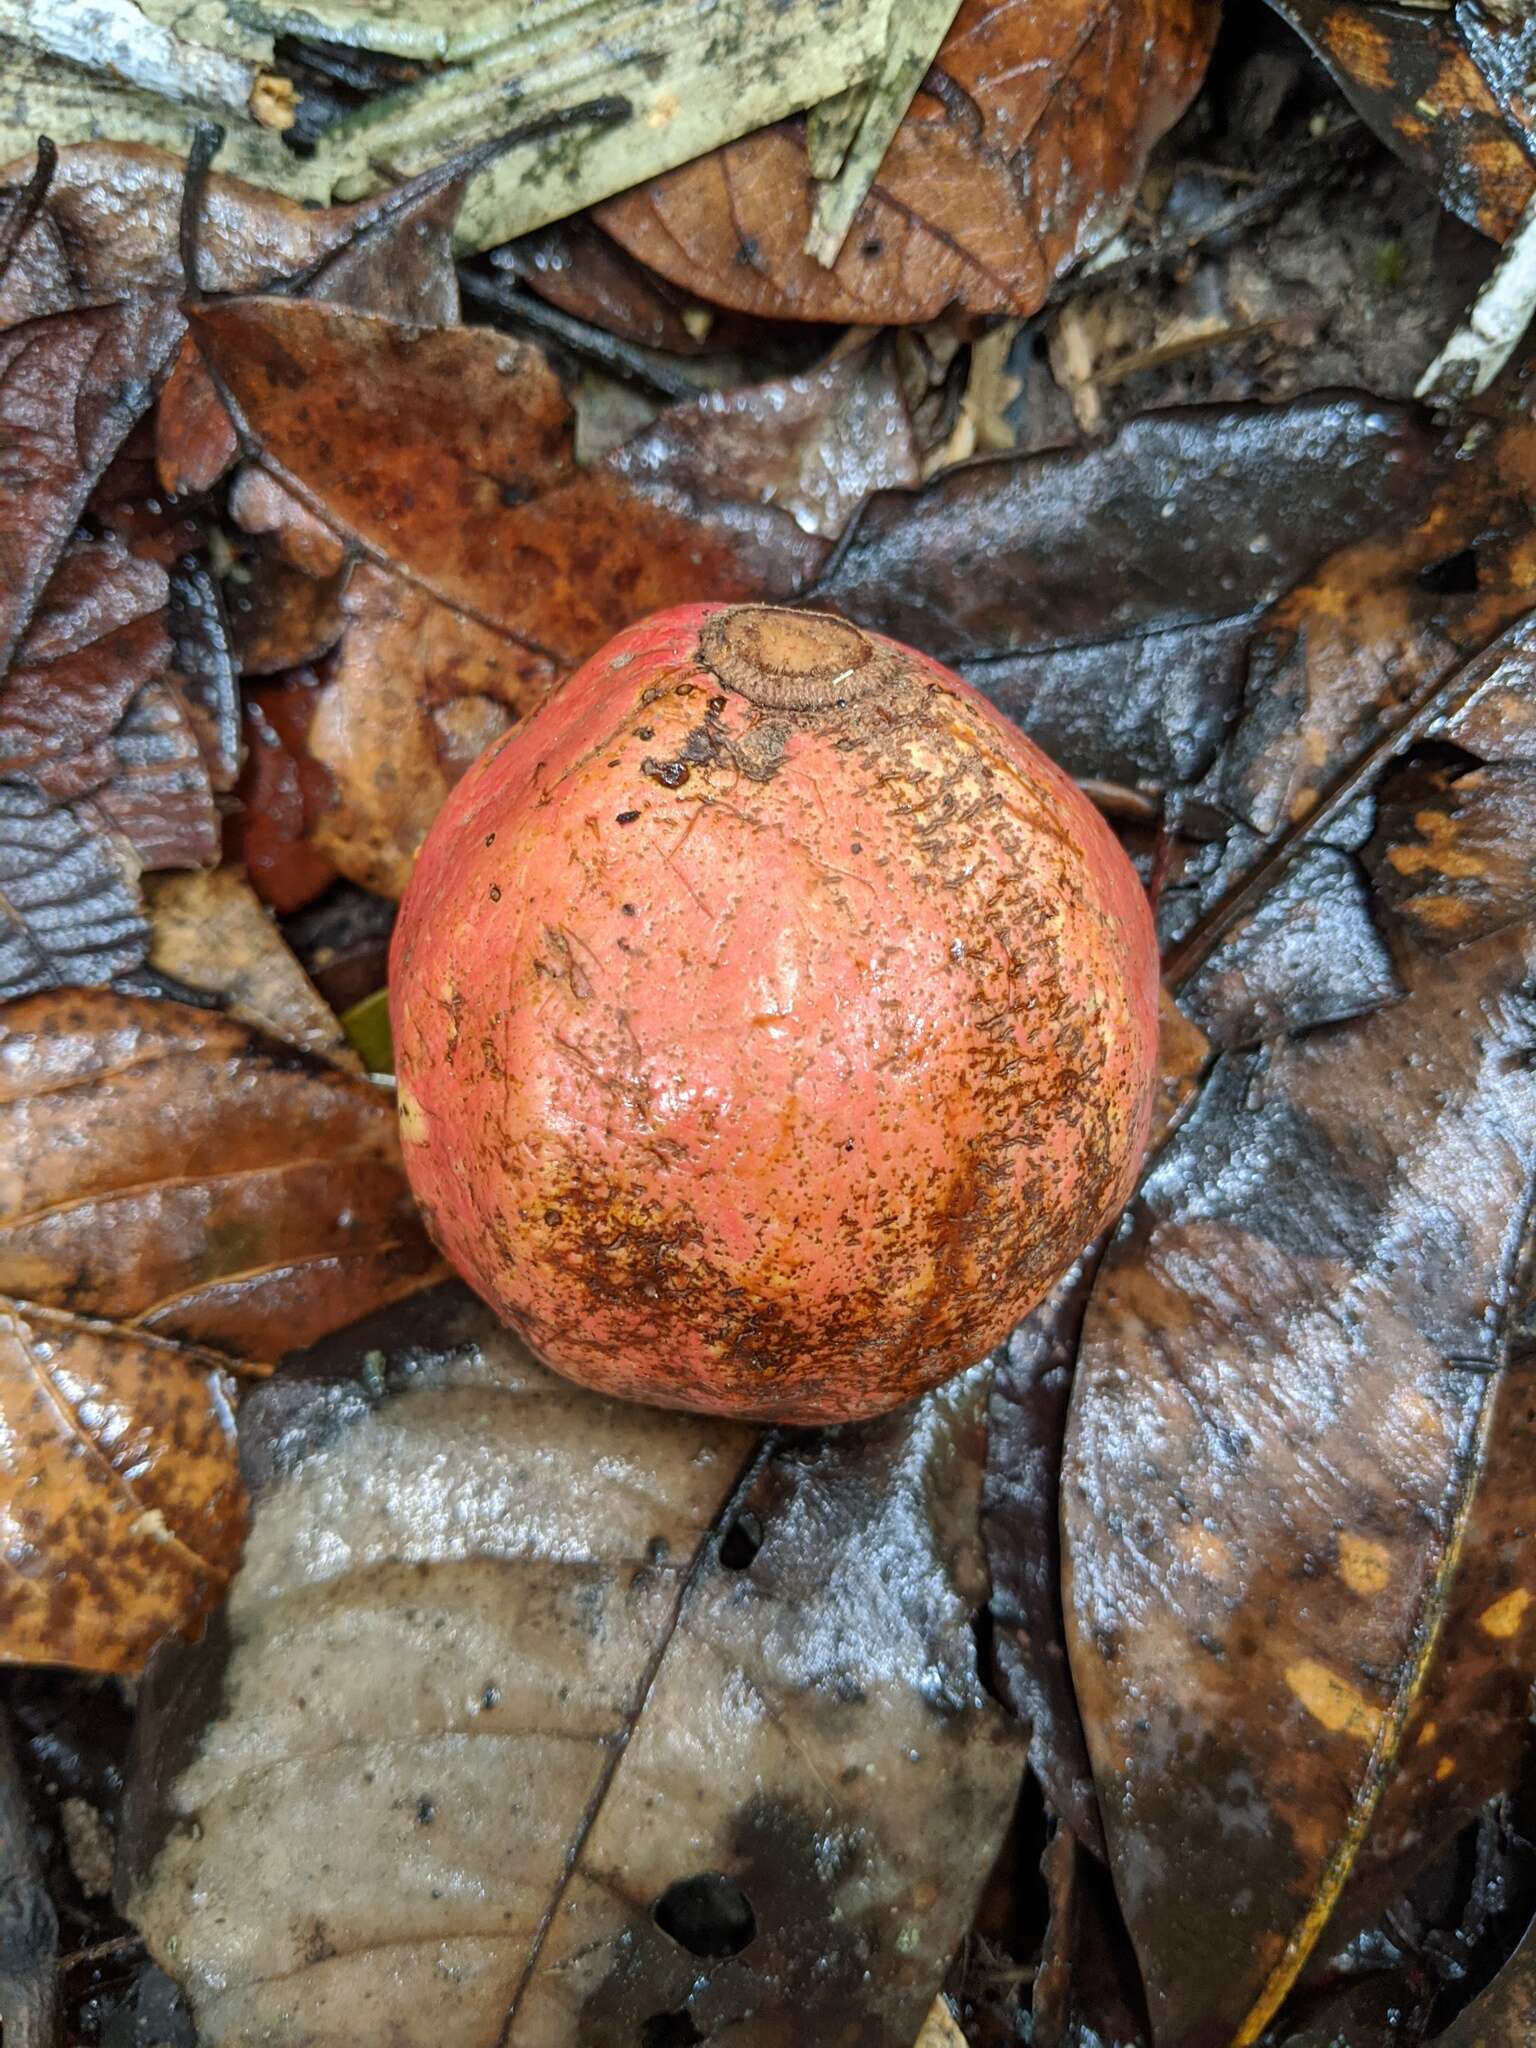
{"x":207,"y":140}
{"x":29,"y":204}
{"x":29,"y":1928}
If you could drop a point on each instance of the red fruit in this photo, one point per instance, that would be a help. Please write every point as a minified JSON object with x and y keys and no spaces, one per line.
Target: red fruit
{"x":773,"y":1021}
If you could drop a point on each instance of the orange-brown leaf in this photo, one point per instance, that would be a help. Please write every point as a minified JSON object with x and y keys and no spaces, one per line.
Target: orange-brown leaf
{"x":175,"y":1171}
{"x":1019,"y":155}
{"x":121,"y":1507}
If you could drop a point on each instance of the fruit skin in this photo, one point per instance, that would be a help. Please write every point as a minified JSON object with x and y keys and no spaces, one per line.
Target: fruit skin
{"x":769,"y":1058}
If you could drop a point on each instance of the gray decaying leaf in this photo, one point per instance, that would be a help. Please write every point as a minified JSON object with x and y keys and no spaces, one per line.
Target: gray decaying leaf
{"x":540,"y":1717}
{"x":69,"y":908}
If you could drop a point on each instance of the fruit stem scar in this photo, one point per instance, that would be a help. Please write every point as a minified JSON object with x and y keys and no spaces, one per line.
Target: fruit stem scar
{"x":785,"y":660}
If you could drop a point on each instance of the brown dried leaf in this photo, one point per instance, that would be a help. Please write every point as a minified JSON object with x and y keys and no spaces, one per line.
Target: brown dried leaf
{"x":70,"y":389}
{"x":575,"y":266}
{"x":1417,"y":78}
{"x":701,"y":1750}
{"x":281,"y":617}
{"x":120,"y":1499}
{"x":89,"y":714}
{"x":212,"y":932}
{"x":1297,"y":1484}
{"x":114,"y":210}
{"x":1020,"y":153}
{"x":282,"y":795}
{"x":207,"y":680}
{"x":416,"y":694}
{"x":1503,"y":2015}
{"x":175,"y":1171}
{"x":447,"y":455}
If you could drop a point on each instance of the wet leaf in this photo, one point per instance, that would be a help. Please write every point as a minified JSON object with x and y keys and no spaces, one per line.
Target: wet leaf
{"x":283,"y":618}
{"x":416,"y":692}
{"x":69,"y":901}
{"x":578,"y":268}
{"x":702,"y":1750}
{"x":497,"y":561}
{"x":1504,"y":2014}
{"x":1104,"y":597}
{"x":1439,"y":89}
{"x":1297,"y":1473}
{"x":282,"y":796}
{"x":448,"y":457}
{"x":172,"y":1169}
{"x":113,"y":211}
{"x":815,"y":445}
{"x":120,"y":1495}
{"x":207,"y":679}
{"x":1020,"y":153}
{"x":89,"y":711}
{"x":70,"y":389}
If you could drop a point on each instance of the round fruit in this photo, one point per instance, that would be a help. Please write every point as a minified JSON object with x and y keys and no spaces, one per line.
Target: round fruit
{"x":773,"y":1021}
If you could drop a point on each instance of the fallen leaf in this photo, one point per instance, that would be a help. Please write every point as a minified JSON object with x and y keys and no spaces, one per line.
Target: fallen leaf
{"x":173,"y":1170}
{"x":114,"y":211}
{"x":211,"y":932}
{"x":396,"y":260}
{"x":1297,"y":1474}
{"x":281,"y":797}
{"x":447,"y":456}
{"x":816,"y":445}
{"x":1503,"y":2015}
{"x":120,"y":1495}
{"x":70,"y":389}
{"x":700,"y":1750}
{"x":1415,"y":77}
{"x":88,"y":711}
{"x":1104,"y":597}
{"x":281,"y":617}
{"x":578,"y":268}
{"x":1021,"y":1524}
{"x":1020,"y":154}
{"x":415,"y":694}
{"x":207,"y":680}
{"x":69,"y":901}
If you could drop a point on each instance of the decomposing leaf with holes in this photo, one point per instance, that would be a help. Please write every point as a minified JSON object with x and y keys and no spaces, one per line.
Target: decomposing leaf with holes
{"x":1448,"y":91}
{"x":1019,"y":154}
{"x":1297,"y":1479}
{"x":701,"y":1750}
{"x":121,"y":1506}
{"x":171,"y":1169}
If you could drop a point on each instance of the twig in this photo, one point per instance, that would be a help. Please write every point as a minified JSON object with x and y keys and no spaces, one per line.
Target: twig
{"x":1496,"y":319}
{"x":619,"y":358}
{"x":29,"y":1927}
{"x":1442,"y":699}
{"x":29,"y":204}
{"x":207,"y":140}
